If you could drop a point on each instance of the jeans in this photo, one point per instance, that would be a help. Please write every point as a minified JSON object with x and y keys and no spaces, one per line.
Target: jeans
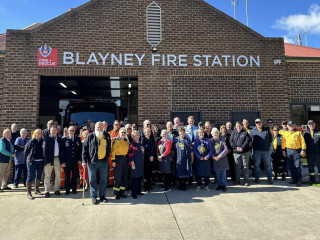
{"x":265,"y":156}
{"x":221,"y":176}
{"x":34,"y":170}
{"x":102,"y":166}
{"x":293,"y":159}
{"x":17,"y":175}
{"x":241,"y":158}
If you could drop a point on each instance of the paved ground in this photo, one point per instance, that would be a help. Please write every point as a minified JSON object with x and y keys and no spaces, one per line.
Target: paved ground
{"x":278,"y":211}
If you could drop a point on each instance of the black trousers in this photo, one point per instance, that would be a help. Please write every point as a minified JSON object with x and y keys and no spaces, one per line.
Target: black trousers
{"x":135,"y":186}
{"x":147,"y":174}
{"x":166,"y":180}
{"x":120,"y":174}
{"x":73,"y":183}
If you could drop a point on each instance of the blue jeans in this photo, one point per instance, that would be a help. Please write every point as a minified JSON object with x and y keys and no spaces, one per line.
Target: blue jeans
{"x":17,"y":175}
{"x":293,"y":159}
{"x":221,"y":177}
{"x":34,"y":170}
{"x":266,"y":158}
{"x":103,"y":167}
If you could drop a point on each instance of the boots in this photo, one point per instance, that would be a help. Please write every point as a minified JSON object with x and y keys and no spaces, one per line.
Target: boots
{"x":312,"y":179}
{"x":37,"y":191}
{"x":29,"y":195}
{"x":122,"y":194}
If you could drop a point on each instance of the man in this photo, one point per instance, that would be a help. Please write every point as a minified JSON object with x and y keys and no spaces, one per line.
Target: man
{"x":77,"y":129}
{"x":59,"y":130}
{"x":295,"y":145}
{"x":6,"y":155}
{"x":71,"y":147}
{"x":126,"y":121}
{"x":172,"y":134}
{"x":96,"y":150}
{"x":105,"y":126}
{"x":270,"y":125}
{"x":176,"y":123}
{"x":284,"y":131}
{"x":53,"y":159}
{"x":229,"y":127}
{"x":46,"y":132}
{"x":213,"y":124}
{"x":191,"y":129}
{"x":114,"y":133}
{"x":207,"y":130}
{"x":246,"y":126}
{"x":128,"y":128}
{"x":14,"y":133}
{"x":161,"y":125}
{"x":146,"y":124}
{"x":312,"y":138}
{"x":239,"y":142}
{"x":261,"y":144}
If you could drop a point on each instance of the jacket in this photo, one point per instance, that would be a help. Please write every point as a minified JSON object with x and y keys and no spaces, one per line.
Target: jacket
{"x":313,"y":143}
{"x":261,"y":140}
{"x":19,"y":147}
{"x":29,"y":150}
{"x":90,"y":148}
{"x":71,"y":150}
{"x":6,"y":150}
{"x":240,"y":139}
{"x":48,"y":150}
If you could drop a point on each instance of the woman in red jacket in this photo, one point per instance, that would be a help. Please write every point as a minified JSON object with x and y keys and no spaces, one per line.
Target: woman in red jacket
{"x":164,"y":157}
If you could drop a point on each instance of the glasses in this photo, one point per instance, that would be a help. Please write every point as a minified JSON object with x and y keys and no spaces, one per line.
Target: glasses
{"x":258,"y":122}
{"x":117,"y":124}
{"x":148,"y":124}
{"x":123,"y":133}
{"x":71,"y":130}
{"x":270,"y":122}
{"x":275,"y":130}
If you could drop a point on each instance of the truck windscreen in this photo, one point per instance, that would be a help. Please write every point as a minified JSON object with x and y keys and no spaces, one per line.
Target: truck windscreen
{"x":82,"y":117}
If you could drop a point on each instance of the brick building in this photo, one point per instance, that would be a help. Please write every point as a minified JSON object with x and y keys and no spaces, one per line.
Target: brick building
{"x":180,"y":57}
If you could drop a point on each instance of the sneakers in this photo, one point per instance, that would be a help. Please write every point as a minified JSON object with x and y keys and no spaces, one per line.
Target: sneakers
{"x":118,"y":197}
{"x":257,"y":180}
{"x":103,"y":199}
{"x":134,"y":197}
{"x":198,"y":188}
{"x":246,"y":183}
{"x":207,"y":188}
{"x":47,"y":194}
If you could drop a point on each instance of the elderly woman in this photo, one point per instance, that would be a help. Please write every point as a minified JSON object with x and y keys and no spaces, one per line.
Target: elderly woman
{"x":226,"y":137}
{"x":220,"y":160}
{"x":149,"y":156}
{"x":183,"y":157}
{"x":6,"y":155}
{"x":155,"y":164}
{"x":128,"y":128}
{"x":202,"y":149}
{"x":34,"y":160}
{"x":14,"y":133}
{"x":119,"y":153}
{"x":207,"y":130}
{"x":136,"y":160}
{"x":164,"y":158}
{"x":19,"y":159}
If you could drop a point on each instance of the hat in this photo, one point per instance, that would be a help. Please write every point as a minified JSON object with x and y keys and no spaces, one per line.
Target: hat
{"x":311,"y":122}
{"x":269,"y":120}
{"x":258,"y":120}
{"x":284,"y":123}
{"x":290,"y":123}
{"x":161,"y":122}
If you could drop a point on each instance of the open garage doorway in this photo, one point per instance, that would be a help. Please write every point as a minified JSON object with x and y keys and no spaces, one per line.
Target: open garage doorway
{"x":96,"y":96}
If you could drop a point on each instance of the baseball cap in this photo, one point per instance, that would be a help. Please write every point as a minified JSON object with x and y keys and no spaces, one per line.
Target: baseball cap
{"x":311,"y":122}
{"x":269,"y":120}
{"x":284,"y":123}
{"x":290,"y":123}
{"x":258,"y":120}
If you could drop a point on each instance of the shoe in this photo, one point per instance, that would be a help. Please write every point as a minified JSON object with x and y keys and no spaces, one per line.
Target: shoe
{"x":275,"y":177}
{"x":141,"y":194}
{"x":47,"y":194}
{"x":57,"y":193}
{"x":236,"y":182}
{"x":218,"y":188}
{"x":29,"y":195}
{"x":67,"y":192}
{"x":74,"y":191}
{"x":81,"y":185}
{"x":246,"y":183}
{"x":257,"y":180}
{"x":103,"y":199}
{"x":123,"y":195}
{"x":292,"y":182}
{"x":37,"y":191}
{"x":207,"y":188}
{"x":198,"y":188}
{"x":94,"y":201}
{"x":270,"y":181}
{"x":298,"y":183}
{"x":15,"y":186}
{"x":7,"y":188}
{"x":25,"y":184}
{"x":134,"y":197}
{"x":118,"y":197}
{"x":224,"y":189}
{"x":283,"y":178}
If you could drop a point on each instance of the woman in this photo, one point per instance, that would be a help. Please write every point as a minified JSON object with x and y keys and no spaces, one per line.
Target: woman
{"x":34,"y":160}
{"x":164,"y":158}
{"x":6,"y":155}
{"x":202,"y":149}
{"x":149,"y":156}
{"x":155,"y":164}
{"x":220,"y":161}
{"x":119,"y":152}
{"x":136,"y":160}
{"x":84,"y":175}
{"x":279,"y":162}
{"x":207,"y":130}
{"x":19,"y":159}
{"x":226,"y":137}
{"x":183,"y":156}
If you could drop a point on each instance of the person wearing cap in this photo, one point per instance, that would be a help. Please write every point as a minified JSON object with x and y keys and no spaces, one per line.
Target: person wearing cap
{"x":312,"y":138}
{"x":261,"y":141}
{"x":191,"y":129}
{"x":295,"y":145}
{"x":114,"y":133}
{"x":279,"y":163}
{"x":270,"y":124}
{"x":239,"y":141}
{"x":284,"y":131}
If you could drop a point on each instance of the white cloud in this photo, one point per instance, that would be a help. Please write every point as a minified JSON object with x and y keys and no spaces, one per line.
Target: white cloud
{"x":288,"y":39}
{"x":299,"y":23}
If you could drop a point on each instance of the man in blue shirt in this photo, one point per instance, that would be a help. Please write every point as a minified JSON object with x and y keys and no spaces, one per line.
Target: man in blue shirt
{"x":191,"y":129}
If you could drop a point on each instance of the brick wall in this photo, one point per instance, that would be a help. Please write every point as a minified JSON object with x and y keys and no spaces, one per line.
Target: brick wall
{"x":189,"y":27}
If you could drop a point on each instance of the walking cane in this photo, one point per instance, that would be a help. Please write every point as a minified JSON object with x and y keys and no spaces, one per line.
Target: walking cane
{"x":84,"y":180}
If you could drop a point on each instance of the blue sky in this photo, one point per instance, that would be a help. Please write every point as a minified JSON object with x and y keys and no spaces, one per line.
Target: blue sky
{"x":270,"y":18}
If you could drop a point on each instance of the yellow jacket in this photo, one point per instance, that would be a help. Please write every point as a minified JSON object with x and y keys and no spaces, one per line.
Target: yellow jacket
{"x":294,"y":140}
{"x":119,"y":148}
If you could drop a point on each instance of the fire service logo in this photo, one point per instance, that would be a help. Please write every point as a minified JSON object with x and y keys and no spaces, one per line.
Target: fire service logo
{"x":47,"y":56}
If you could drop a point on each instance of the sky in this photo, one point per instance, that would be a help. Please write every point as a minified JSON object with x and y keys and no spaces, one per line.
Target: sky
{"x":270,"y":18}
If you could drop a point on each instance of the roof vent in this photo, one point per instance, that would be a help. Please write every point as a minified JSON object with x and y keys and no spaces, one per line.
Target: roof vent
{"x":154,"y":35}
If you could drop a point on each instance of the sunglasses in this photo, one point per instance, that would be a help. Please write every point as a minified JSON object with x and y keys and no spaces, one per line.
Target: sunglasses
{"x":117,"y":124}
{"x":258,"y":122}
{"x":270,"y":122}
{"x":123,"y":133}
{"x":275,"y":130}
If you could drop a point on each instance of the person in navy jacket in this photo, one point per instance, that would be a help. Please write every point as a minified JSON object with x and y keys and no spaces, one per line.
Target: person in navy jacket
{"x":72,"y":150}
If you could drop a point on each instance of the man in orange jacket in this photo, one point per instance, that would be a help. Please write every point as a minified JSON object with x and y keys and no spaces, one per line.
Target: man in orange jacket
{"x":113,"y":134}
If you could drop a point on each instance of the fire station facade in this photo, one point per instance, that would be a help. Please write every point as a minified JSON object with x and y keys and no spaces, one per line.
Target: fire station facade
{"x":187,"y":57}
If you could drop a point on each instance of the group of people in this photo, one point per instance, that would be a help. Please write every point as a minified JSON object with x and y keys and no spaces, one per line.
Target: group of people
{"x":125,"y":157}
